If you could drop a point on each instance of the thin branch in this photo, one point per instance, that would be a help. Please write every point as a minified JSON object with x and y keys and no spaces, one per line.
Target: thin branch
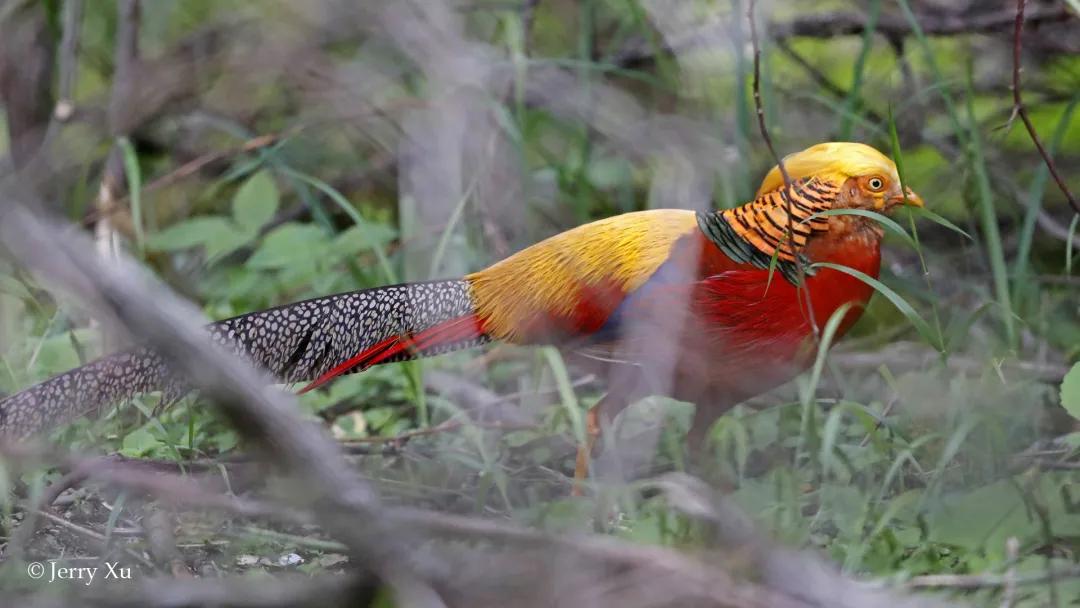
{"x":760,"y":109}
{"x":843,"y":23}
{"x":985,"y":581}
{"x":98,"y":538}
{"x":1018,"y":106}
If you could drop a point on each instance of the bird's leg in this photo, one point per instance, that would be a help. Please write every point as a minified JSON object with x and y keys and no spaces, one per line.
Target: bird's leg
{"x":698,"y":437}
{"x":597,"y":422}
{"x":584,"y":453}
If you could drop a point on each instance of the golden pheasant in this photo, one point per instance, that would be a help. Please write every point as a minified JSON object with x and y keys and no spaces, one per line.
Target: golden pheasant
{"x":710,"y":308}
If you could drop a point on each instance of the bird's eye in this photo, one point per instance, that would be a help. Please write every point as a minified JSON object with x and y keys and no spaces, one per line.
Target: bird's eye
{"x":876,"y":184}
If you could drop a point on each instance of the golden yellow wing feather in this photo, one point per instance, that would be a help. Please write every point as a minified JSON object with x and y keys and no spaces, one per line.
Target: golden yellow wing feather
{"x":609,"y":258}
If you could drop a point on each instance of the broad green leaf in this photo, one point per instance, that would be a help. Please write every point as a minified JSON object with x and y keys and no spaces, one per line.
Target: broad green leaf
{"x":57,"y":353}
{"x":363,"y":237}
{"x":139,"y":442}
{"x":287,"y":244}
{"x":255,"y":202}
{"x":192,"y":233}
{"x":1070,"y":392}
{"x":981,"y":518}
{"x":217,"y":235}
{"x":349,"y":210}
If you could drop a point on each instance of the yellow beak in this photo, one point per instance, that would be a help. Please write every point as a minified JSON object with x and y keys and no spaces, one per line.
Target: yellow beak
{"x":909,"y":197}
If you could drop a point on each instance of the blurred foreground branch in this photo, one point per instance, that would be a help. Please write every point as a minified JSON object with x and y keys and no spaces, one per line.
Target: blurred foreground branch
{"x":598,"y":571}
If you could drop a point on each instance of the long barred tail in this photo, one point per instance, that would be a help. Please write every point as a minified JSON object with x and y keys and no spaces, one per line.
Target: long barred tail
{"x":298,"y":342}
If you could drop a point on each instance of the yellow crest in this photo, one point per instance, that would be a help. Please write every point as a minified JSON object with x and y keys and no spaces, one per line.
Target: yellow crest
{"x":831,"y":162}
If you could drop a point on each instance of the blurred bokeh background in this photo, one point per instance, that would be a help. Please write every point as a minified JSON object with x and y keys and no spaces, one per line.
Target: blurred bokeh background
{"x":254,"y":153}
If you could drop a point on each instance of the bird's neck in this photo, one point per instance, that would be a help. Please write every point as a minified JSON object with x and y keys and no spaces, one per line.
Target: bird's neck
{"x":775,"y":229}
{"x":851,"y":241}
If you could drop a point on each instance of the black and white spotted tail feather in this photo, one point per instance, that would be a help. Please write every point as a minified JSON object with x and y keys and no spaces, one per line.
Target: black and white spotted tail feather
{"x":295,"y":343}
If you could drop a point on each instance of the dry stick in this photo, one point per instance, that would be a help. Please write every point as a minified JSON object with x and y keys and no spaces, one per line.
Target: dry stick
{"x":111,"y":188}
{"x":92,"y":535}
{"x":263,"y":414}
{"x":987,"y":581}
{"x":614,"y":552}
{"x":783,"y":172}
{"x":1019,"y":109}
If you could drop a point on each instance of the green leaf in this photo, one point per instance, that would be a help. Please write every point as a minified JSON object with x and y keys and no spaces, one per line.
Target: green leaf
{"x":937,"y":219}
{"x":139,"y":442}
{"x":900,"y":303}
{"x":255,"y":202}
{"x":1070,"y":392}
{"x":363,"y":237}
{"x":15,"y":287}
{"x":349,"y":210}
{"x":190,"y":233}
{"x":134,"y":182}
{"x":885,"y":221}
{"x":981,"y":519}
{"x":288,"y":244}
{"x":216,"y":234}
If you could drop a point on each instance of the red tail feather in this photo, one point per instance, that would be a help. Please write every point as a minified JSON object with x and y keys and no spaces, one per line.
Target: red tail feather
{"x":461,"y":329}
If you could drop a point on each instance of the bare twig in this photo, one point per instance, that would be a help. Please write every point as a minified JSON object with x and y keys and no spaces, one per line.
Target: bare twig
{"x":1018,"y":106}
{"x":96,"y":537}
{"x":760,"y":109}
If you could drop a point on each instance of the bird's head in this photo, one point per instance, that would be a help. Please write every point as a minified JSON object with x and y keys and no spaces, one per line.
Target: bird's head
{"x":866,"y":178}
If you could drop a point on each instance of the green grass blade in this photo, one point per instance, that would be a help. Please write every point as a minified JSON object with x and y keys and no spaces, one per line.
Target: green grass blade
{"x":931,"y":60}
{"x":1069,"y":245}
{"x":989,"y":220}
{"x":566,"y":391}
{"x":134,"y":183}
{"x":343,"y":203}
{"x":884,"y":220}
{"x":448,"y":231}
{"x":1035,"y":195}
{"x":900,"y":303}
{"x":937,"y":219}
{"x":828,"y":334}
{"x":852,"y":102}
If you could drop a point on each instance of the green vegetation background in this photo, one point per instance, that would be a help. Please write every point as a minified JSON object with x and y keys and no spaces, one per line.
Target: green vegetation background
{"x":896,"y":460}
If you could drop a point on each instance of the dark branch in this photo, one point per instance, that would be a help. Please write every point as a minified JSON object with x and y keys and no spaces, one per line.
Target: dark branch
{"x":1019,"y":109}
{"x":836,"y":24}
{"x":760,"y":110}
